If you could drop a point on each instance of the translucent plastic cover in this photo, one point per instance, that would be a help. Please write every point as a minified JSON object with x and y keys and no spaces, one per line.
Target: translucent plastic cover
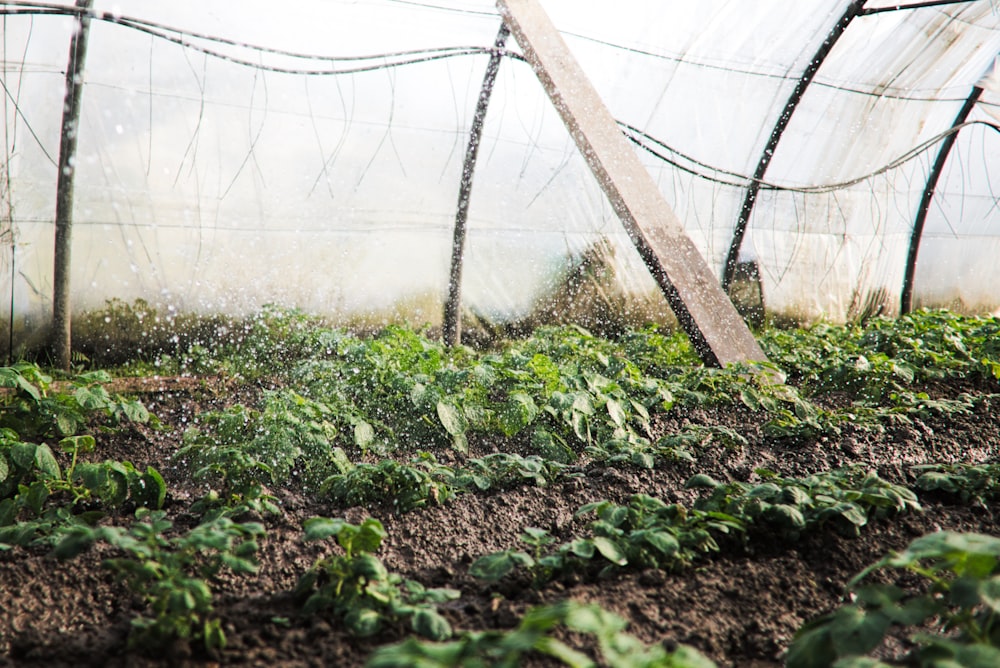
{"x":310,"y":153}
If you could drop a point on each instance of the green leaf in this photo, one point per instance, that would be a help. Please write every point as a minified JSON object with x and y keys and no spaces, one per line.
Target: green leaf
{"x":36,"y":496}
{"x":860,"y":662}
{"x":812,"y":646}
{"x":494,"y":567}
{"x":74,"y":542}
{"x":977,"y":656}
{"x":616,"y":412}
{"x":662,"y":541}
{"x":28,"y":388}
{"x":855,"y":632}
{"x":787,"y":516}
{"x":91,"y":398}
{"x":215,"y":637}
{"x":4,"y":468}
{"x":609,"y":550}
{"x":429,"y":624}
{"x":451,"y":418}
{"x":134,"y":411}
{"x":318,"y":528}
{"x":701,"y":481}
{"x":153,"y":489}
{"x":46,"y":462}
{"x":66,"y":423}
{"x":370,"y":536}
{"x":23,"y":455}
{"x":364,"y":434}
{"x":73,"y":444}
{"x":563,"y":653}
{"x":363,"y":622}
{"x":990,"y":592}
{"x":581,"y":547}
{"x":517,"y":413}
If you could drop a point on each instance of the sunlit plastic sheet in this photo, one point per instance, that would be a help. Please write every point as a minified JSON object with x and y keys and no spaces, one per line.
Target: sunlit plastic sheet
{"x":205,"y":184}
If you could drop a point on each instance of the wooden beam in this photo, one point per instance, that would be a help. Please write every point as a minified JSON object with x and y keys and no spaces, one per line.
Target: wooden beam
{"x":63,"y":246}
{"x":707,"y":315}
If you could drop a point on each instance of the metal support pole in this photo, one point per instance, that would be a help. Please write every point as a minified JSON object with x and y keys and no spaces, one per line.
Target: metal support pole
{"x":452,"y":325}
{"x":61,"y":309}
{"x":732,"y":258}
{"x":906,"y":298}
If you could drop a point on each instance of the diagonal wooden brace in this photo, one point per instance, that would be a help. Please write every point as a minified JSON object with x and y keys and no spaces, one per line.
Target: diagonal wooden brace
{"x":706,"y":314}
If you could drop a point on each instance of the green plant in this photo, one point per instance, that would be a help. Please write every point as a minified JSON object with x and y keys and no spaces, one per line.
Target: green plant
{"x":357,"y":588}
{"x":979,"y":482}
{"x":36,"y":409}
{"x":401,"y":486}
{"x":646,"y":533}
{"x":953,"y":611}
{"x":172,"y":574}
{"x":501,"y":470}
{"x":845,"y":498}
{"x":535,"y":635}
{"x":290,"y":440}
{"x":35,"y":491}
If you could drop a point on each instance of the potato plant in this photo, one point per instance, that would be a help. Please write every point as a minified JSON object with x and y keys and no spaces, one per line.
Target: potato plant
{"x":952,"y":610}
{"x":357,"y":588}
{"x":172,"y":574}
{"x":535,"y":635}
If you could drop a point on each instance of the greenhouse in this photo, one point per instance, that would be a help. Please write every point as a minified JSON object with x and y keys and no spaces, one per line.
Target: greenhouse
{"x":228,"y":157}
{"x":500,"y":332}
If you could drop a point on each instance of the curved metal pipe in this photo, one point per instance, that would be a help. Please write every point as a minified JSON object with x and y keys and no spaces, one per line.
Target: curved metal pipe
{"x":452,"y":324}
{"x":732,"y":257}
{"x":906,"y":297}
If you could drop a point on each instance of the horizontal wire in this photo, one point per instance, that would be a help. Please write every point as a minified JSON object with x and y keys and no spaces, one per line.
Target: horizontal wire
{"x":178,"y":35}
{"x":410,"y":57}
{"x":154,"y":28}
{"x":640,"y":137}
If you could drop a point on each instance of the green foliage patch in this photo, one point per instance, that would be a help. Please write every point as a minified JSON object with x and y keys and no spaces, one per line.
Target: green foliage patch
{"x":535,"y":635}
{"x":172,"y":574}
{"x":37,"y":494}
{"x":357,"y":588}
{"x":953,"y":610}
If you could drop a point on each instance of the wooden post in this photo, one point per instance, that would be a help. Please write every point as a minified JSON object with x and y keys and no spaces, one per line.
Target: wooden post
{"x":707,"y":315}
{"x":61,"y":309}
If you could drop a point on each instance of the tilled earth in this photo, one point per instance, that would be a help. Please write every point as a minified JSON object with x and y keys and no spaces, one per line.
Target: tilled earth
{"x":741,"y":607}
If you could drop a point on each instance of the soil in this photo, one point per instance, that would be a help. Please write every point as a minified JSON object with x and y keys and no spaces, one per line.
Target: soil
{"x":740,"y":607}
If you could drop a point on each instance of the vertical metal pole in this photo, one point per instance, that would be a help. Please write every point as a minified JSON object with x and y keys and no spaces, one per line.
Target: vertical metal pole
{"x":452,"y":325}
{"x":61,"y":309}
{"x":732,"y":258}
{"x":906,"y":298}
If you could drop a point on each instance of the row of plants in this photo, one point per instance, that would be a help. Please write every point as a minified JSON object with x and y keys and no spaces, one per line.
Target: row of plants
{"x":37,"y":493}
{"x":948,"y":610}
{"x":563,"y":393}
{"x":559,"y":394}
{"x":650,"y":533}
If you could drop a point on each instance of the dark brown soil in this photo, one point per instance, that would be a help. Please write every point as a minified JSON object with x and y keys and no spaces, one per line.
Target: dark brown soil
{"x":740,"y":607}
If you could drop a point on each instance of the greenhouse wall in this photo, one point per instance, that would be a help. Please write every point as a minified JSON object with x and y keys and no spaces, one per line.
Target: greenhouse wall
{"x":232,"y":156}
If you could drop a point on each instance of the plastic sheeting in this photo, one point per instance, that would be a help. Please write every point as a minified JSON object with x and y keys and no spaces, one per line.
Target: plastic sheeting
{"x":207,"y":180}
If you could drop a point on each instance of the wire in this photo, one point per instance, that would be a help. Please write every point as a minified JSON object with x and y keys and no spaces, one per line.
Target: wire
{"x":427,"y":55}
{"x":640,"y":138}
{"x":182,"y":37}
{"x":400,"y":58}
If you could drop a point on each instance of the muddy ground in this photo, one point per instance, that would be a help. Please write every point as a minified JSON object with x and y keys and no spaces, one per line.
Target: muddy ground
{"x":740,"y":607}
